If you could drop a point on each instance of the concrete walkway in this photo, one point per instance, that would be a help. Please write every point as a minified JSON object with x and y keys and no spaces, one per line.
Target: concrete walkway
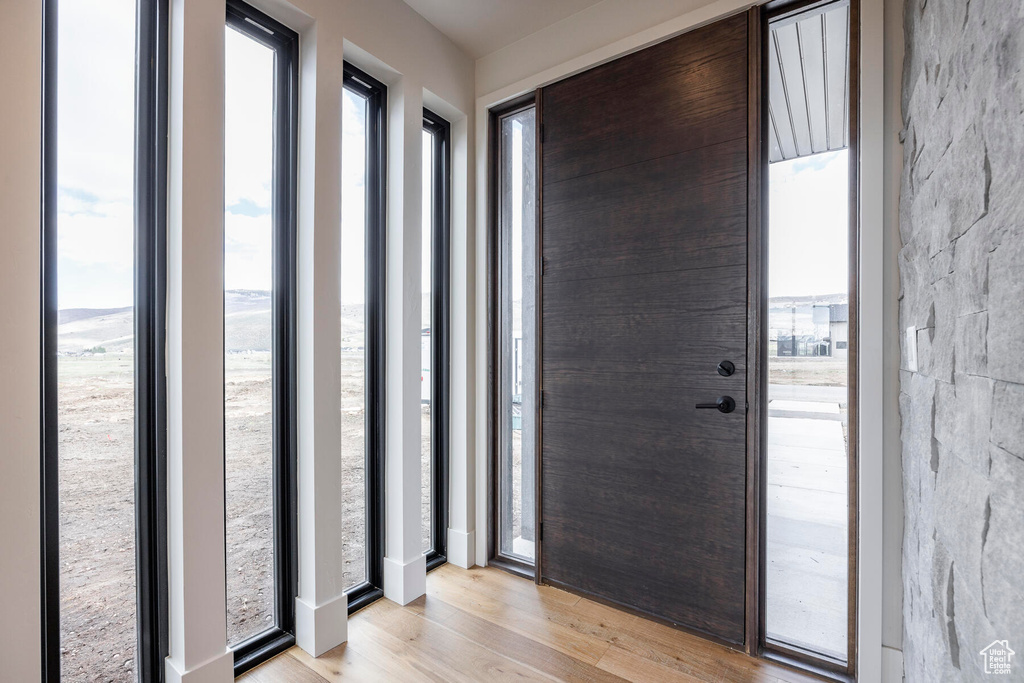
{"x":807,"y":519}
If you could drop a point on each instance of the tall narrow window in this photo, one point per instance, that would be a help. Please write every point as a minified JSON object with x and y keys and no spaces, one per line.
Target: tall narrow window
{"x":810,"y":435}
{"x":259,"y":324}
{"x":516,"y":334}
{"x":103,"y":443}
{"x":434,"y":342}
{"x":362,"y":335}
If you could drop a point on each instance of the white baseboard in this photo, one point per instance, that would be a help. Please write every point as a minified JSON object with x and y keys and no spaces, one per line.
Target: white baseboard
{"x":322,"y":628}
{"x":461,"y":548}
{"x":220,"y":669}
{"x":892,"y":665}
{"x":403,"y":583}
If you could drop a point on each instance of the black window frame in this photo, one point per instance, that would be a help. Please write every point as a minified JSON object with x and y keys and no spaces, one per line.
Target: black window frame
{"x":284,"y":42}
{"x":375,"y":94}
{"x":150,"y":275}
{"x":500,"y":263}
{"x":440,"y":333}
{"x":790,"y":654}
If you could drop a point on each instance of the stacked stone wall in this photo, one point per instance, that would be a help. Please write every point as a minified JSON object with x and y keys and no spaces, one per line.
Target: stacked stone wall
{"x":962,"y":281}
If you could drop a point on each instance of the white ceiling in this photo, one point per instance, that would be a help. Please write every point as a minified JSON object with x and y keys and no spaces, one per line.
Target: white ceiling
{"x":480,"y":27}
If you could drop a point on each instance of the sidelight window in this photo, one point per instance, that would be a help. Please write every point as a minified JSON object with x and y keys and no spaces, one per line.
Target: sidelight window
{"x":362,"y":334}
{"x":434,"y":340}
{"x":103,"y":442}
{"x":810,"y":431}
{"x":516,"y":422}
{"x":261,"y":73}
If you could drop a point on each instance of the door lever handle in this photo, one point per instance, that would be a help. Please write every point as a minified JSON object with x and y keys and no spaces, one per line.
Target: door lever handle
{"x":724,"y":404}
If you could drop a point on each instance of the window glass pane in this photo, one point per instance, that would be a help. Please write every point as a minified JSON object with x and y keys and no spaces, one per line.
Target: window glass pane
{"x":426,"y":346}
{"x":808,"y":428}
{"x":808,"y":435}
{"x":353,"y":337}
{"x":518,"y":335}
{"x":248,"y":347}
{"x":95,"y":346}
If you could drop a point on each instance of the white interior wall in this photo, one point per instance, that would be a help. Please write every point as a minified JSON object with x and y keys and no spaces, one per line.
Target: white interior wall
{"x":613,"y":28}
{"x":421,"y":65}
{"x":892,"y":477}
{"x":322,"y":605}
{"x":195,"y":343}
{"x":871,"y":352}
{"x":20,"y":126}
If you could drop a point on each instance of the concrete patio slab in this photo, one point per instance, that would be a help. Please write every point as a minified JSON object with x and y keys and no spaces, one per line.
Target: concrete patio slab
{"x":806,"y":582}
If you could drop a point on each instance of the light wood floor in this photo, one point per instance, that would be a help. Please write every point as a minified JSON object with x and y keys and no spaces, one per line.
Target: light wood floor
{"x":487,"y":625}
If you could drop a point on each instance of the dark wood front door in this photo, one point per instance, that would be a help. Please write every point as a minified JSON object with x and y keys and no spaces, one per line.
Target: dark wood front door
{"x":644,"y":165}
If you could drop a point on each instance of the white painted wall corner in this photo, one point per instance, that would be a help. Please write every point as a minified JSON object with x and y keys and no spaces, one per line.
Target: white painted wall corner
{"x":403,"y":583}
{"x":892,"y":665}
{"x":461,"y":548}
{"x":323,"y":627}
{"x":220,"y":669}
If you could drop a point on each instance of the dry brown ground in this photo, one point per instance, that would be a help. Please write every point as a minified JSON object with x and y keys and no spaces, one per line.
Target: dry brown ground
{"x":820,"y":371}
{"x":97,"y":528}
{"x":96,"y":505}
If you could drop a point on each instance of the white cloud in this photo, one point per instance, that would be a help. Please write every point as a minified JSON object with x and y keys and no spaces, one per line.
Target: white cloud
{"x":353,"y":199}
{"x":426,"y":186}
{"x":249,"y":123}
{"x":248,"y":251}
{"x":95,"y":152}
{"x":96,"y":97}
{"x":105,"y":235}
{"x":809,"y":226}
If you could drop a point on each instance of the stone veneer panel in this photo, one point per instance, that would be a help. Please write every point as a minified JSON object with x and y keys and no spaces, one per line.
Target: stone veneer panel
{"x":962,"y":272}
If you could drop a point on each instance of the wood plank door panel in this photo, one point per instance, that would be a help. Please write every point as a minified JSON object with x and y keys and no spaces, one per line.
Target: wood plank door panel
{"x":629,"y":218}
{"x":644,"y":233}
{"x":683,"y":90}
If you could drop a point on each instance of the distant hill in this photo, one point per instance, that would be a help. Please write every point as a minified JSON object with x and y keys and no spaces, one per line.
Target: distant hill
{"x":247,"y":321}
{"x":784,"y":301}
{"x":247,"y":325}
{"x":70,"y":315}
{"x":82,"y":328}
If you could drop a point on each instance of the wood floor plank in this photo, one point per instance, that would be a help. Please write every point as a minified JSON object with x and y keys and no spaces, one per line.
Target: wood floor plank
{"x":633,"y":667}
{"x":513,"y":645}
{"x":675,"y":649}
{"x":519,"y":619}
{"x":504,"y":584}
{"x":341,"y":662}
{"x":282,"y":669}
{"x":540,"y":600}
{"x":486,"y":625}
{"x":440,"y":653}
{"x":658,"y":643}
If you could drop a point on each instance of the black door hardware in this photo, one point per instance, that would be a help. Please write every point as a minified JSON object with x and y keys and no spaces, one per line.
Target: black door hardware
{"x":726,"y":368}
{"x":724,"y":404}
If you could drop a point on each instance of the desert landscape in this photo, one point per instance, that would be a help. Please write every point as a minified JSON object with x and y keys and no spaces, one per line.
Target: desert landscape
{"x":96,"y":473}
